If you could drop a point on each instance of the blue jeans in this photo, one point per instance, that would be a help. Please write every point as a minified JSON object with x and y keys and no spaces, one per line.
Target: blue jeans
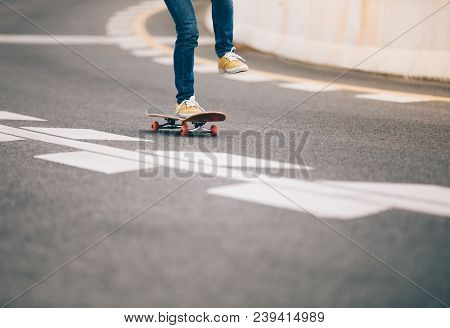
{"x":183,"y":14}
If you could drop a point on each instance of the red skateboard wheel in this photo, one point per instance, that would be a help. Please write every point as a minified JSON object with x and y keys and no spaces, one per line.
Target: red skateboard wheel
{"x":155,"y":126}
{"x":184,"y":130}
{"x":214,"y":130}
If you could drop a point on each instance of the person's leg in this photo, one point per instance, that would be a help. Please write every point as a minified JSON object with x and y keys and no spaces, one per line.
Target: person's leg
{"x":222,"y":12}
{"x":183,"y":14}
{"x":223,"y":16}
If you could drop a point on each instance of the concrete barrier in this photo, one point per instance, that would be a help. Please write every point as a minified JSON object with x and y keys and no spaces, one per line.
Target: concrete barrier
{"x":349,"y":33}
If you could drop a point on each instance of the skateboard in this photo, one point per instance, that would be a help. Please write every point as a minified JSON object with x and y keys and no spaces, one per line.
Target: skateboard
{"x":197,"y":121}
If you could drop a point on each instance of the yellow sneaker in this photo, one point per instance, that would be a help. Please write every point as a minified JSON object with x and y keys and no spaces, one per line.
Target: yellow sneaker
{"x":232,"y":63}
{"x":188,"y":108}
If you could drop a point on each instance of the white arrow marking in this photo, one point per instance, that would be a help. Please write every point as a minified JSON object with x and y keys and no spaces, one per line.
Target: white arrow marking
{"x":342,"y":200}
{"x":325,"y":206}
{"x":328,"y":199}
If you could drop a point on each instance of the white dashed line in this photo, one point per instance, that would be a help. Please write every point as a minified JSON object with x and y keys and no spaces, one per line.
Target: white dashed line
{"x":93,"y":162}
{"x":205,"y":69}
{"x":119,"y":31}
{"x":82,"y":134}
{"x":139,"y":7}
{"x":248,"y":77}
{"x":133,"y":44}
{"x":202,"y":41}
{"x":128,"y":31}
{"x":18,"y":117}
{"x":146,"y":53}
{"x":123,"y":15}
{"x":309,"y":87}
{"x":66,"y":39}
{"x":119,"y":19}
{"x":118,"y":24}
{"x":121,"y":23}
{"x":391,"y":98}
{"x":167,"y":61}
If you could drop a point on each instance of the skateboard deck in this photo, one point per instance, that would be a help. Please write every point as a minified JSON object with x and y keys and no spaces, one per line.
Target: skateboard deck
{"x":198,"y":121}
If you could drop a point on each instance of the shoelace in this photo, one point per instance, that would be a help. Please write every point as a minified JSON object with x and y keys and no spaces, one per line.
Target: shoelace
{"x":233,"y":56}
{"x":190,"y":103}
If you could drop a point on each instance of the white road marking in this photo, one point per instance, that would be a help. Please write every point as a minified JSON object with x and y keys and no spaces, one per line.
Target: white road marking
{"x":151,"y":160}
{"x":150,"y":3}
{"x":118,"y":36}
{"x":342,"y":200}
{"x":67,"y":39}
{"x":133,"y":44}
{"x":80,"y":145}
{"x":411,"y":197}
{"x":327,"y":199}
{"x":391,"y":98}
{"x":322,"y":206}
{"x":119,"y":33}
{"x":18,"y":117}
{"x":139,"y":7}
{"x":248,"y":77}
{"x":120,"y":19}
{"x":226,"y":160}
{"x":202,"y":41}
{"x":167,"y":61}
{"x":118,"y":24}
{"x":93,"y":162}
{"x":148,"y":158}
{"x":309,"y":86}
{"x":7,"y":137}
{"x":82,"y":134}
{"x":147,"y":53}
{"x":205,"y":69}
{"x":123,"y":15}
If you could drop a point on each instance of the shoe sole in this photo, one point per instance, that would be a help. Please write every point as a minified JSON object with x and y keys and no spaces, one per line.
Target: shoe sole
{"x":233,"y":71}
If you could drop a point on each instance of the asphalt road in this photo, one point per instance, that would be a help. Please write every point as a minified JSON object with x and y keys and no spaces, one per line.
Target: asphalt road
{"x":375,"y":232}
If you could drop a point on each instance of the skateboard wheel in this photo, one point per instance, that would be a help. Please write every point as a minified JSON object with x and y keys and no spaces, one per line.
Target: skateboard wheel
{"x":184,"y":130}
{"x":214,"y":130}
{"x":155,"y":126}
